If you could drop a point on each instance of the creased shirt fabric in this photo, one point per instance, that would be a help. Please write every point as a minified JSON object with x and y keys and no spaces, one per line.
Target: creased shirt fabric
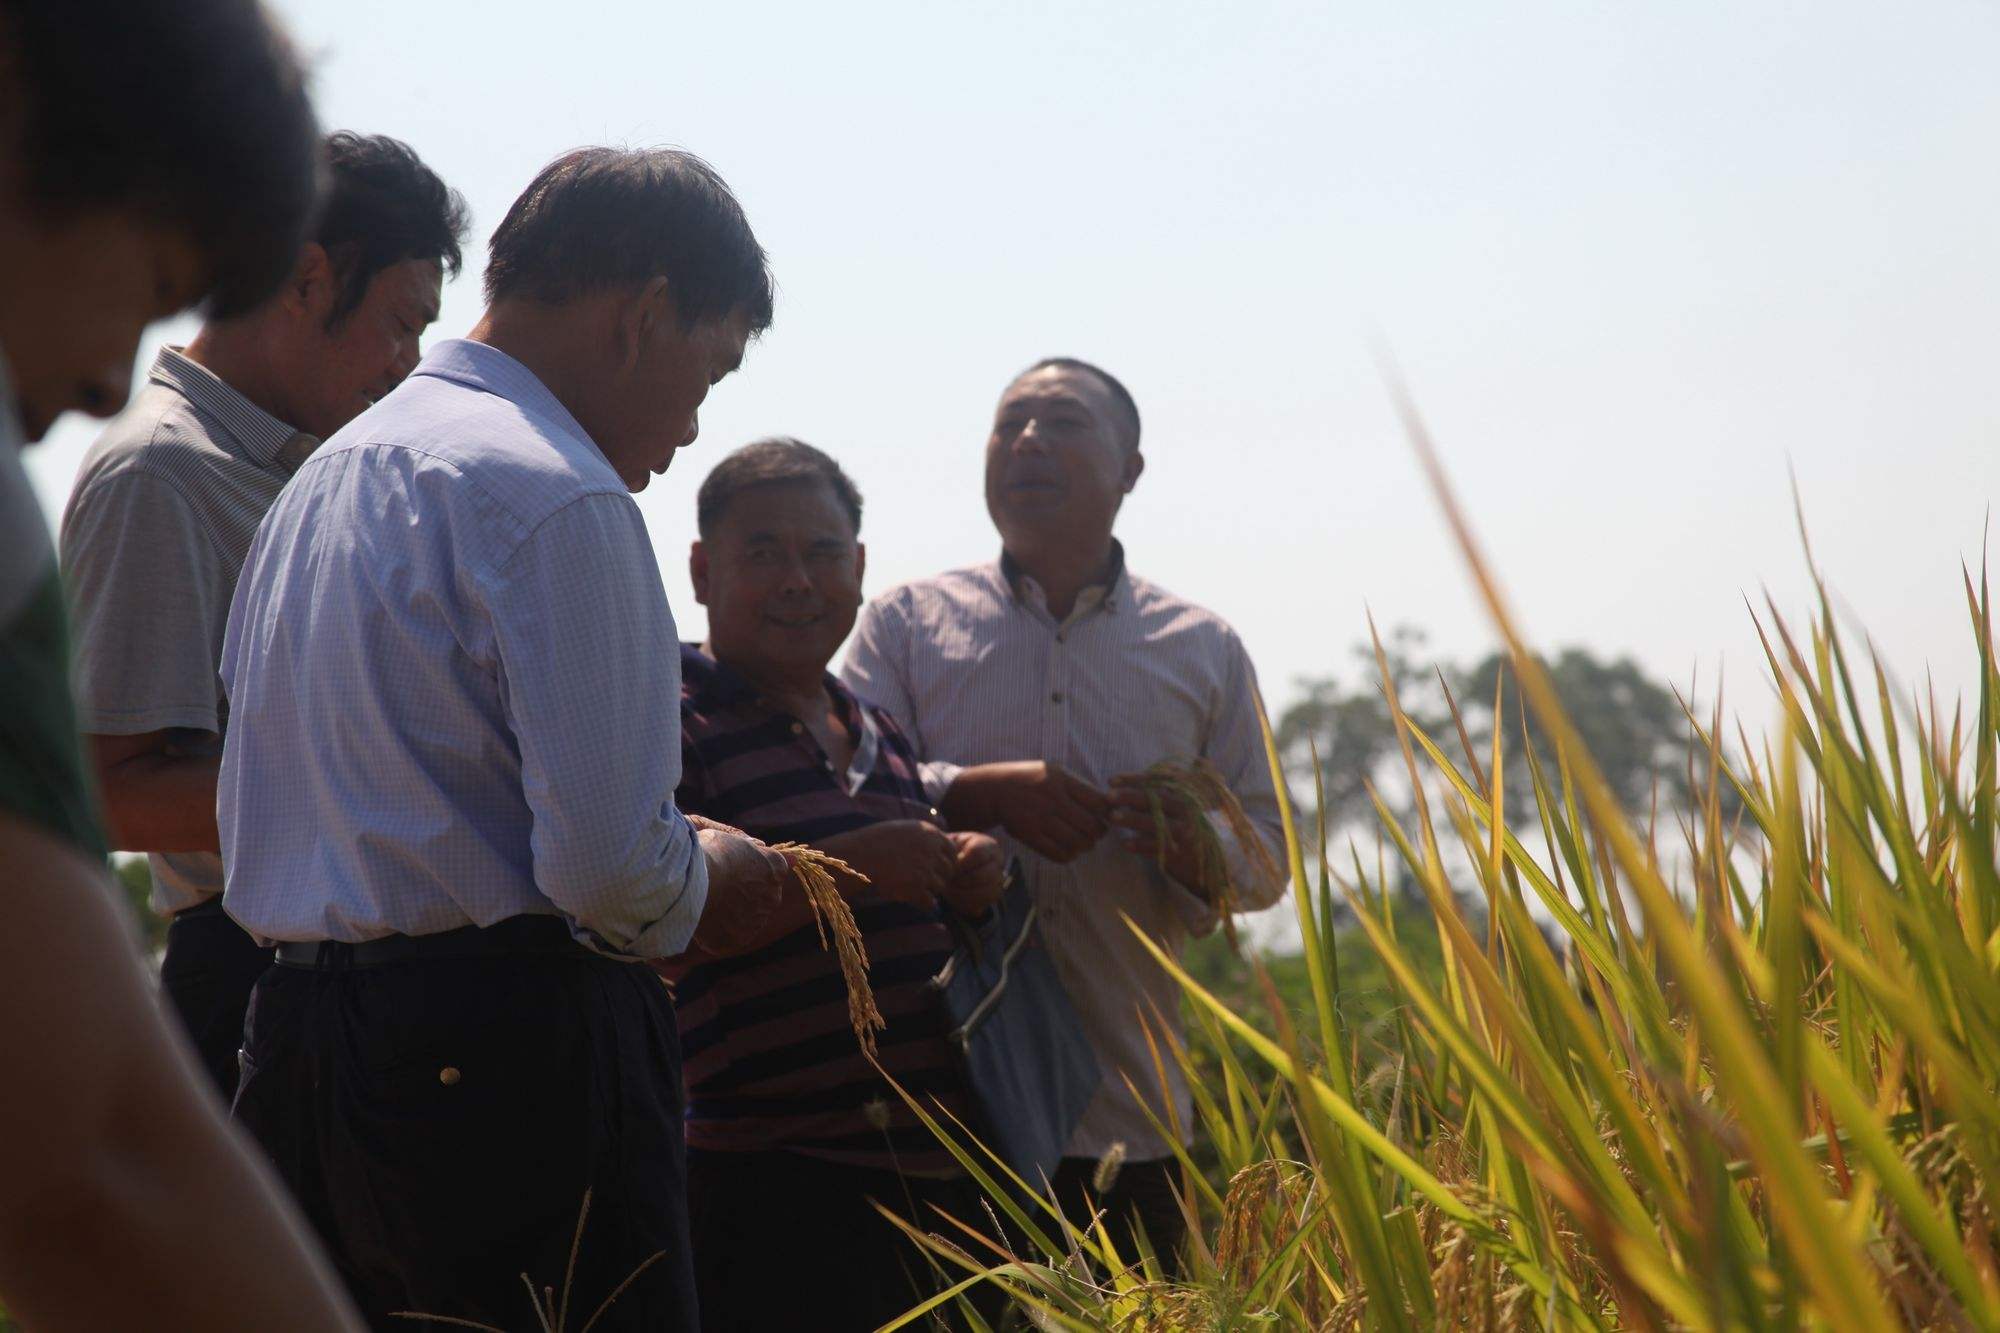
{"x":767,"y":1048}
{"x":976,"y":670}
{"x":454,"y":683}
{"x":153,"y":538}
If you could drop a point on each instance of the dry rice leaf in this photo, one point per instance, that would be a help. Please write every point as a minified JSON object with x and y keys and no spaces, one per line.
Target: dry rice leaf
{"x":1200,"y":785}
{"x":815,"y":870}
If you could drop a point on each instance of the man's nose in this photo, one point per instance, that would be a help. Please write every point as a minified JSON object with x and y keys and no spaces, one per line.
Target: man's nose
{"x":694,"y":428}
{"x":407,"y":357}
{"x":1031,"y":440}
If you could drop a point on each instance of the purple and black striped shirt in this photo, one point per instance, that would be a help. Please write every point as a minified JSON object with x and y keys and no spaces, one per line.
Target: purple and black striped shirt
{"x":770,"y":1059}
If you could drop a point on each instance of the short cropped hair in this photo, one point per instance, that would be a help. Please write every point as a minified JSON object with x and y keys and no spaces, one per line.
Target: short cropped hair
{"x":188,"y":115}
{"x":1121,"y":397}
{"x":778,"y":461}
{"x":384,"y":206}
{"x":599,"y":219}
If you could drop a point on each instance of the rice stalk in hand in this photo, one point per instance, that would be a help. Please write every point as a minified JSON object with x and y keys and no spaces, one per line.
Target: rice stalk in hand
{"x":815,"y":872}
{"x":1200,"y":788}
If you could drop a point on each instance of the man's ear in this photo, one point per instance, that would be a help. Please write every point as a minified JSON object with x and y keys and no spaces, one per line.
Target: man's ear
{"x":643,"y":315}
{"x":698,"y":572}
{"x":314,"y":286}
{"x":1135,"y":463}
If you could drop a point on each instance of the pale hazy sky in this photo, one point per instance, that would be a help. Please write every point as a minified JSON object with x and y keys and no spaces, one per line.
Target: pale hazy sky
{"x":1634,"y":259}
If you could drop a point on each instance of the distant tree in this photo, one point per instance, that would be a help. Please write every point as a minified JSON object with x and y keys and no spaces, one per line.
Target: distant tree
{"x":1632,"y":725}
{"x":1349,"y":731}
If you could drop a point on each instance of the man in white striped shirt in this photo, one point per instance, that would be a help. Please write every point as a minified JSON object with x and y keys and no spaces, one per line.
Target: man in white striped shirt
{"x":1035,"y":687}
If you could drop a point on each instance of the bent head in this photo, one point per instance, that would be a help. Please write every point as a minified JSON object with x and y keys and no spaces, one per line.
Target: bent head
{"x":780,"y":559}
{"x":1062,"y":456}
{"x":643,"y":266}
{"x":123,"y":199}
{"x":348,"y":322}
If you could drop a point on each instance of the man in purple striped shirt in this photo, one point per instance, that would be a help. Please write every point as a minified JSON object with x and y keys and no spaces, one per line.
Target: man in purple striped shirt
{"x":1036,"y":686}
{"x":781,"y":1099}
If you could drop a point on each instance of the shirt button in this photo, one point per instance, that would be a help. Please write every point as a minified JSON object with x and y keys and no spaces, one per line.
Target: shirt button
{"x":1056,"y":698}
{"x":1062,"y":638}
{"x":798,"y":728}
{"x":448,"y":1076}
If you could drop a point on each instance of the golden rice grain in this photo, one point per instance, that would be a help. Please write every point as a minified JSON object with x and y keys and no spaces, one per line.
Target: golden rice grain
{"x":815,"y":872}
{"x":1200,"y":786}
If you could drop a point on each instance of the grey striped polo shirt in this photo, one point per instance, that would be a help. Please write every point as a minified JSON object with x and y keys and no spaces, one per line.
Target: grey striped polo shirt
{"x":162,"y":514}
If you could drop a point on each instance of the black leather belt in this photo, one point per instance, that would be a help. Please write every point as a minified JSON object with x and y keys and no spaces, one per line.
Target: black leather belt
{"x":516,"y":935}
{"x":209,"y":906}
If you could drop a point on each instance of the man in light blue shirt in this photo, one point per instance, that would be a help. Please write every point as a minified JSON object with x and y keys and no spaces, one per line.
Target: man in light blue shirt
{"x":447,"y":787}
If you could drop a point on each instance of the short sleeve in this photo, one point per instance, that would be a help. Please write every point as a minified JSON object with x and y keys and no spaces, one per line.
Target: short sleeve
{"x":151,"y":600}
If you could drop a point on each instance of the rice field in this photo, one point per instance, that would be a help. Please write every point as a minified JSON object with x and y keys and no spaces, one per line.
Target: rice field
{"x":1690,"y":1070}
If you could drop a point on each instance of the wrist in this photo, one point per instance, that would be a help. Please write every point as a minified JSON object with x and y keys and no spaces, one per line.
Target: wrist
{"x":964,"y":803}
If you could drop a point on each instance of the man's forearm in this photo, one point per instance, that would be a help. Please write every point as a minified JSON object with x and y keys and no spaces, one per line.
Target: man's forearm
{"x":158,"y":801}
{"x":966,"y":804}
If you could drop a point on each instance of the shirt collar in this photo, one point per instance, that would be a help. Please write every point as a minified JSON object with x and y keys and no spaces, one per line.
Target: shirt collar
{"x":264,"y":440}
{"x":1110,"y":592}
{"x":721,"y":683}
{"x":483,"y":366}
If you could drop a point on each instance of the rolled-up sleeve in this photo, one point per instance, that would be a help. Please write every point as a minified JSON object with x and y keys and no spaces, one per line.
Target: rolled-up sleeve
{"x":143,"y":578}
{"x":1236,"y":749}
{"x":589,"y":668}
{"x":877,"y":670}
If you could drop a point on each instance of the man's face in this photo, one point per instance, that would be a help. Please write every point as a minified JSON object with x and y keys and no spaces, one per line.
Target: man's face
{"x":1057,"y":463}
{"x":341,"y":370}
{"x":75,"y":295}
{"x":660,"y":399}
{"x":781,"y":578}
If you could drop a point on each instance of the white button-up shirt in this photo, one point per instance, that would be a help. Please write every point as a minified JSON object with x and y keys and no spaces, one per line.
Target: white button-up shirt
{"x":976,"y":670}
{"x":454,"y":683}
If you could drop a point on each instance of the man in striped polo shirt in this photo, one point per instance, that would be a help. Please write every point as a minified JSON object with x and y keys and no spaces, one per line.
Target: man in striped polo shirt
{"x":1036,"y":686}
{"x":164,"y":508}
{"x":782,"y":1104}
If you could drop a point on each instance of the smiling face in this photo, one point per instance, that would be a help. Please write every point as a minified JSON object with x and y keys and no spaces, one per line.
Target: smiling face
{"x":76,"y":293}
{"x":340,"y":368}
{"x":780,"y":574}
{"x":1058,"y":464}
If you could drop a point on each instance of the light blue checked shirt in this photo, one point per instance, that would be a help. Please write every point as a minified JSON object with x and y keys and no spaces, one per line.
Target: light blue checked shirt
{"x":454,"y":683}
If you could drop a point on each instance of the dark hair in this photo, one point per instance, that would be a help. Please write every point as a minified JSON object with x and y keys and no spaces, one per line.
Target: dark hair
{"x":777,"y":461}
{"x":383,"y":206}
{"x":1128,"y":410}
{"x":599,"y":218}
{"x":189,"y":115}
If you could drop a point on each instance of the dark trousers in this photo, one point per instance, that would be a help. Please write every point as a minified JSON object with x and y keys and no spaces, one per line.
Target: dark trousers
{"x":207,"y":972}
{"x":439,"y":1121}
{"x":1141,"y":1193}
{"x":784,"y":1242}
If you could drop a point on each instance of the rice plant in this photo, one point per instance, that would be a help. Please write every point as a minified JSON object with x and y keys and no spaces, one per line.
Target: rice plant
{"x":1197,"y":792}
{"x":1710,"y":1071}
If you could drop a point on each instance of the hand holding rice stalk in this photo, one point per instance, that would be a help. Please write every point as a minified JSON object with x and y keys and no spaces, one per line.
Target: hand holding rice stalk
{"x":815,"y":872}
{"x":1180,"y":804}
